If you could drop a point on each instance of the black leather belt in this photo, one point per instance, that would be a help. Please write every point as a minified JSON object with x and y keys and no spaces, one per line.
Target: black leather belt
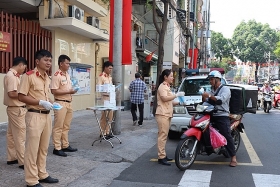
{"x":18,"y":106}
{"x":39,"y":111}
{"x":63,"y":100}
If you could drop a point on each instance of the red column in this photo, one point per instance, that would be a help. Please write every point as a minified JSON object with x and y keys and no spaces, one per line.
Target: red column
{"x":111,"y":44}
{"x":126,"y":33}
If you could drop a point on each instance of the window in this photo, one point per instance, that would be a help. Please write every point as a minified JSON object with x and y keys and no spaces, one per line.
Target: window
{"x":193,"y":87}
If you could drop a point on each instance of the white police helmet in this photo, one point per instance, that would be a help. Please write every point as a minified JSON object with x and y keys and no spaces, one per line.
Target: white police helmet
{"x":215,"y":74}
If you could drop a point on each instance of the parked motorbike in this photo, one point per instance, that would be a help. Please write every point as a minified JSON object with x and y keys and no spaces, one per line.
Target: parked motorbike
{"x":266,"y":101}
{"x":276,"y":99}
{"x":196,"y":140}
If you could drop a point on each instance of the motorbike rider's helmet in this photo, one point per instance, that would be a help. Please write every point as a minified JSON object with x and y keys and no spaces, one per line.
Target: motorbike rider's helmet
{"x":265,"y":82}
{"x":215,"y":74}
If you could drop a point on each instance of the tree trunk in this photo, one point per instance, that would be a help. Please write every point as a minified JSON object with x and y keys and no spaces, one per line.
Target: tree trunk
{"x":161,"y":31}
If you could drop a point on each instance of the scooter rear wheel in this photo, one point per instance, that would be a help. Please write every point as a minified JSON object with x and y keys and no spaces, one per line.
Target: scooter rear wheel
{"x":236,"y":138}
{"x":183,"y":157}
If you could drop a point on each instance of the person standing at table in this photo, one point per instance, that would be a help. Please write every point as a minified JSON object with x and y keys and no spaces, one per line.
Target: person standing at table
{"x":61,"y":88}
{"x":34,"y":90}
{"x":164,"y":112}
{"x":106,"y":78}
{"x":16,"y":111}
{"x":137,"y":89}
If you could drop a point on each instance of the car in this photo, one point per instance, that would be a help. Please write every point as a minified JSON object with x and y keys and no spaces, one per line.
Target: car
{"x":193,"y":87}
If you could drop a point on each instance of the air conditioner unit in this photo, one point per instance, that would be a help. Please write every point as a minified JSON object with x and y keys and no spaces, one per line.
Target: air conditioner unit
{"x":93,"y":21}
{"x":76,"y":12}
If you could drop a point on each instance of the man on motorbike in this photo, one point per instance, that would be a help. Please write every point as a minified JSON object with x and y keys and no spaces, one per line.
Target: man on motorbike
{"x":221,"y":119}
{"x":266,"y":88}
{"x":276,"y":87}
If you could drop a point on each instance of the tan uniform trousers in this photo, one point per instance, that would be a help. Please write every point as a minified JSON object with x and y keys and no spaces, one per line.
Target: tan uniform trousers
{"x":16,"y":133}
{"x":62,"y":121}
{"x":38,"y":131}
{"x":103,"y":123}
{"x":163,"y":129}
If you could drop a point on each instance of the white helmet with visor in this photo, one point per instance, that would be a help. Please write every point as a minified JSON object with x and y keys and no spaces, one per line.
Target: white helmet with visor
{"x":215,"y":74}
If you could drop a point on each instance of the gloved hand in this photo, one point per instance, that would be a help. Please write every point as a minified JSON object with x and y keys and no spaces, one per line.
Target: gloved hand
{"x":46,"y":104}
{"x":180,"y":94}
{"x":56,"y":106}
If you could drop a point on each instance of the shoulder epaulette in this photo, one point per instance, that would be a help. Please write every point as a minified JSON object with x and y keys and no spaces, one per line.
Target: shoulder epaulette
{"x":29,"y":72}
{"x":56,"y":73}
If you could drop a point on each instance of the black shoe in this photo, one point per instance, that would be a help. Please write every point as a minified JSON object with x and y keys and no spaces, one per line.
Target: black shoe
{"x":49,"y":180}
{"x":21,"y":167}
{"x":168,"y":159}
{"x":164,"y":162}
{"x":69,"y":149}
{"x":36,"y":185}
{"x":12,"y":162}
{"x":59,"y":153}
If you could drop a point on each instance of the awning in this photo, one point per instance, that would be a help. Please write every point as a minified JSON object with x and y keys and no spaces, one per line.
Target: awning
{"x":145,"y":52}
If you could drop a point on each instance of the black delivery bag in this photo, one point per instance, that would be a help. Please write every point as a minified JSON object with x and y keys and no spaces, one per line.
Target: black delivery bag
{"x":243,"y":99}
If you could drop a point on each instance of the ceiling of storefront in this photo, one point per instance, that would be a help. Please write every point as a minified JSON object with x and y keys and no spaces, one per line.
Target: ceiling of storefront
{"x":19,"y":6}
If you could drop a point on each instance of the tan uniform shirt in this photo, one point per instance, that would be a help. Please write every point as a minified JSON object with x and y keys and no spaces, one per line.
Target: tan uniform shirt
{"x":61,"y":81}
{"x":11,"y":83}
{"x":164,"y":108}
{"x":105,"y":79}
{"x":35,"y":85}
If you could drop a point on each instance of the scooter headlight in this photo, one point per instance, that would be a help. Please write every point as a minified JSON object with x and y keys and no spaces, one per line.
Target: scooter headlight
{"x":202,"y":125}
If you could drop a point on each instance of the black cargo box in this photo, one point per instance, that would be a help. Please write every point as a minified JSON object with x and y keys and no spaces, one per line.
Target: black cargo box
{"x":243,"y":98}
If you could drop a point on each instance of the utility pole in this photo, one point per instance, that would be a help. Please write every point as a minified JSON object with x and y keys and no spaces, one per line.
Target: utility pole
{"x":117,"y":59}
{"x":267,"y":55}
{"x":188,"y":34}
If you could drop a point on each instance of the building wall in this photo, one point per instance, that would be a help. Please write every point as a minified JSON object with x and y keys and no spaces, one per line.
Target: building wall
{"x":3,"y":115}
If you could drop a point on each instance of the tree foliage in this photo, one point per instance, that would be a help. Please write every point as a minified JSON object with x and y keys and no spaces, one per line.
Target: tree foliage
{"x":252,"y":40}
{"x":220,"y":45}
{"x":224,"y":63}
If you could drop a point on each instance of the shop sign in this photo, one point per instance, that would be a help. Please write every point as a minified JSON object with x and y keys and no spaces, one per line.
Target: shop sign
{"x":5,"y":41}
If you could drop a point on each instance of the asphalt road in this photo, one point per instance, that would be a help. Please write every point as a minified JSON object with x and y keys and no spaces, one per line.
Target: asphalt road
{"x":258,"y":162}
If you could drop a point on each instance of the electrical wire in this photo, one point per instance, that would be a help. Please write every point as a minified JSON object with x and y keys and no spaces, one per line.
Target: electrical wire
{"x":60,"y":8}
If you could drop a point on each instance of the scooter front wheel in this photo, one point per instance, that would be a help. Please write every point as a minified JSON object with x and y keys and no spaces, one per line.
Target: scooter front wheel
{"x":184,"y":157}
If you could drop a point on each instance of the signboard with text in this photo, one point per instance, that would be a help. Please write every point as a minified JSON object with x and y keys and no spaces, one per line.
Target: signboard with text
{"x":5,"y":41}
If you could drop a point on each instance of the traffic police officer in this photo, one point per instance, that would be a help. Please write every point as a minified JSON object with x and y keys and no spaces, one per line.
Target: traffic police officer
{"x":106,"y":78}
{"x":35,"y":92}
{"x":61,"y":88}
{"x":16,"y":111}
{"x":164,"y":113}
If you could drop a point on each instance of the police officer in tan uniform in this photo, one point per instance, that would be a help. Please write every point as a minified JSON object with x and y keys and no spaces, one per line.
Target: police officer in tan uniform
{"x":16,"y":111}
{"x":34,"y":90}
{"x":164,"y":112}
{"x":106,"y":78}
{"x":61,"y":88}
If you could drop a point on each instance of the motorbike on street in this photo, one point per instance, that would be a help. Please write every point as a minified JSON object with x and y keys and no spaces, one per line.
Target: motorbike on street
{"x":276,"y":99}
{"x":266,"y":101}
{"x":196,"y":139}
